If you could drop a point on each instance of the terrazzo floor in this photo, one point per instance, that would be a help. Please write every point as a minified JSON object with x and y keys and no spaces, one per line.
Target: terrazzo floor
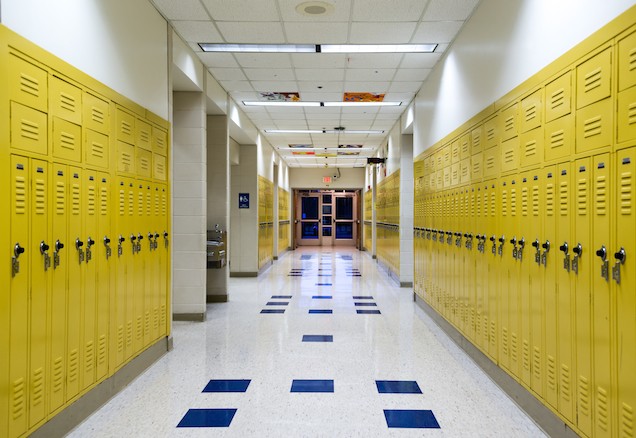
{"x":323,"y":344}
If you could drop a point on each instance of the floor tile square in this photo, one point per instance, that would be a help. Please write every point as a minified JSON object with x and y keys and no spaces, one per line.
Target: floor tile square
{"x":273,"y":311}
{"x":411,"y":419}
{"x":317,"y":338}
{"x":320,"y":311}
{"x":312,"y":386}
{"x":227,"y":386}
{"x":398,"y":387}
{"x":207,"y":418}
{"x":306,"y":257}
{"x":322,"y":297}
{"x":277,"y":303}
{"x":362,"y":297}
{"x":366,"y":304}
{"x":367,"y":312}
{"x":280,"y":297}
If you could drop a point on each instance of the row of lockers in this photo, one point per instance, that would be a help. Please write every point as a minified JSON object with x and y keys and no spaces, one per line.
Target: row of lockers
{"x":368,"y":205}
{"x":387,"y":243}
{"x":284,"y":230}
{"x":283,"y":204}
{"x":265,"y":243}
{"x":367,"y":229}
{"x":387,"y":199}
{"x":265,"y":200}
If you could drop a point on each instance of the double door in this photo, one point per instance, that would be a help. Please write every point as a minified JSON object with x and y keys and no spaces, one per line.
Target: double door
{"x":327,"y":218}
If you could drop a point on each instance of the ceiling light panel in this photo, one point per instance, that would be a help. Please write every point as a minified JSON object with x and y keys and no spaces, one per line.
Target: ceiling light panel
{"x":377,"y":48}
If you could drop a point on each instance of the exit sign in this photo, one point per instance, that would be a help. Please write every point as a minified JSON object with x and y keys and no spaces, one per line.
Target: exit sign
{"x":326,"y":179}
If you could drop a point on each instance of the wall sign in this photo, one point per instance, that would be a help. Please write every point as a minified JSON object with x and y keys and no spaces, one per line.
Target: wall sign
{"x":244,"y":200}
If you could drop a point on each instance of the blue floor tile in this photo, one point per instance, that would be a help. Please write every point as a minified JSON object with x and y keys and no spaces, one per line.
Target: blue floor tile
{"x":277,"y":303}
{"x":368,"y":312}
{"x":324,"y":275}
{"x":324,"y":284}
{"x":306,"y":257}
{"x":322,"y":297}
{"x":411,"y":419}
{"x":273,"y":311}
{"x":227,"y":386}
{"x":320,"y":311}
{"x":207,"y":418}
{"x":398,"y":387}
{"x":317,"y":338}
{"x":281,"y":297}
{"x":346,"y":257}
{"x":362,"y":297}
{"x":312,"y":386}
{"x":366,"y":304}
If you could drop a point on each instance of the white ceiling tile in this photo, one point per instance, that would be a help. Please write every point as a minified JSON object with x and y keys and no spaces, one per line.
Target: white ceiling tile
{"x":225,"y":60}
{"x":263,"y":60}
{"x":245,"y":95}
{"x":317,"y":33}
{"x":320,"y":74}
{"x":358,"y":124}
{"x":277,"y":86}
{"x":318,"y":60}
{"x":449,"y":9}
{"x":181,"y":10}
{"x":197,"y":31}
{"x":437,"y":31}
{"x":405,"y":98}
{"x":386,"y":116}
{"x":291,"y":124}
{"x":318,"y":96}
{"x":382,"y":10}
{"x":420,"y":60}
{"x":316,"y":123}
{"x":441,"y":48}
{"x":252,"y":33}
{"x":381,"y":33}
{"x":412,"y":74}
{"x":405,"y":86}
{"x":242,"y":10}
{"x":269,"y":74}
{"x":372,"y":75}
{"x":329,"y":87}
{"x":285,"y":113}
{"x":341,"y":11}
{"x":236,"y":86}
{"x":374,"y":60}
{"x":395,"y":110}
{"x":228,"y":74}
{"x":367,"y":87}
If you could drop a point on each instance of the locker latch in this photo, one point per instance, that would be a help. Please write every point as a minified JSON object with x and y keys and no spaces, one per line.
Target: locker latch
{"x":15,"y":263}
{"x":494,"y":245}
{"x":109,"y":252}
{"x":537,"y":255}
{"x":120,"y":249}
{"x":458,"y":240}
{"x":156,"y":241}
{"x":522,"y":244}
{"x":515,"y":251}
{"x":428,"y":234}
{"x":449,"y":237}
{"x":151,"y":244}
{"x":44,"y":250}
{"x":544,"y":256}
{"x":434,"y":235}
{"x":133,"y":240}
{"x":469,"y":241}
{"x":56,"y":254}
{"x":89,"y":252}
{"x":577,"y":250}
{"x":616,"y":270}
{"x":566,"y":256}
{"x":166,"y":242}
{"x":602,"y":254}
{"x":139,"y":239}
{"x":80,"y":251}
{"x":480,"y":246}
{"x":502,"y":240}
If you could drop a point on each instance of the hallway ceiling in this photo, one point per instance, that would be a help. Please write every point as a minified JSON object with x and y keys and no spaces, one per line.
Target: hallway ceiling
{"x":320,"y":76}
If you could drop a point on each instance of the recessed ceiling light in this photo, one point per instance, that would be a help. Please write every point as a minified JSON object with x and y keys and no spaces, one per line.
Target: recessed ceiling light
{"x":319,"y":48}
{"x":259,"y":48}
{"x":314,"y":8}
{"x":317,"y":131}
{"x":306,"y":103}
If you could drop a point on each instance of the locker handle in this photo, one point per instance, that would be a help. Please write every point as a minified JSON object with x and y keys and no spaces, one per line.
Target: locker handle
{"x":17,"y":250}
{"x":78,"y":243}
{"x":140,"y":237}
{"x":535,"y":244}
{"x":620,"y":255}
{"x":90,"y":242}
{"x":546,"y":246}
{"x":522,"y":242}
{"x":133,"y":237}
{"x":156,"y":236}
{"x":121,"y":239}
{"x":502,"y":239}
{"x":165,"y":234}
{"x":106,"y":240}
{"x":513,"y":240}
{"x":492,"y":238}
{"x":564,"y":248}
{"x":602,"y":253}
{"x":43,"y":247}
{"x":578,"y":249}
{"x":58,"y":246}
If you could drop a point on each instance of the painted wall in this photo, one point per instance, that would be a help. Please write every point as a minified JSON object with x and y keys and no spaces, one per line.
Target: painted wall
{"x":266,"y":158}
{"x":122,"y":43}
{"x":504,"y":43}
{"x":310,"y":178}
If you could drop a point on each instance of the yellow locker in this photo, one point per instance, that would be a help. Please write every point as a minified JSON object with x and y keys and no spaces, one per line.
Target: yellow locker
{"x":76,"y":247}
{"x":491,"y":132}
{"x":531,"y":144}
{"x":492,"y":162}
{"x":455,"y":175}
{"x":594,"y":126}
{"x":558,"y":101}
{"x":60,"y":249}
{"x":594,"y":79}
{"x":511,"y":273}
{"x":96,"y":113}
{"x":464,"y":146}
{"x":125,"y":126}
{"x":143,"y":135}
{"x":532,"y":111}
{"x":549,"y":359}
{"x":121,"y":254}
{"x":159,"y":141}
{"x":623,"y":276}
{"x":21,"y":248}
{"x":67,"y":140}
{"x":129,"y":225}
{"x":510,"y":122}
{"x":504,"y":230}
{"x":439,"y":160}
{"x":103,"y":254}
{"x":146,"y":230}
{"x":559,"y":138}
{"x":529,"y":230}
{"x":477,"y":166}
{"x":65,"y":100}
{"x":125,"y":157}
{"x":464,"y":171}
{"x":455,"y":151}
{"x":601,"y":208}
{"x":447,"y":172}
{"x":28,"y":84}
{"x":96,"y":149}
{"x":159,"y":167}
{"x":157,"y":228}
{"x":446,"y":155}
{"x":627,"y":62}
{"x":28,"y":129}
{"x":164,"y":263}
{"x":583,"y":294}
{"x":626,"y":115}
{"x":138,"y":263}
{"x":494,"y":302}
{"x":91,"y":268}
{"x":566,"y":299}
{"x":477,"y":138}
{"x":144,"y":163}
{"x":510,"y":157}
{"x":469,"y":275}
{"x":480,"y":290}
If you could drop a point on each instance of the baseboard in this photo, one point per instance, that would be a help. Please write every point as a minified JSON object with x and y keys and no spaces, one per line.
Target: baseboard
{"x":243,"y":274}
{"x":547,"y":420}
{"x":406,"y":284}
{"x":216,"y":298}
{"x":374,"y":257}
{"x":82,"y":408}
{"x":192,"y":317}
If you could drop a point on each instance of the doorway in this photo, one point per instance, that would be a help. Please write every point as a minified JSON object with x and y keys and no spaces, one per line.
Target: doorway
{"x":327,"y":217}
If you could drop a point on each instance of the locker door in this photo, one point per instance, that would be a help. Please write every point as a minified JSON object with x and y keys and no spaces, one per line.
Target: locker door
{"x":76,"y":257}
{"x":549,"y":381}
{"x":473,"y":302}
{"x":583,"y":316}
{"x":537,"y":298}
{"x":60,"y":249}
{"x":121,"y":254}
{"x":149,"y":274}
{"x":138,"y":263}
{"x":494,"y":299}
{"x":625,"y":290}
{"x":103,"y":254}
{"x":528,"y":233}
{"x":157,"y":229}
{"x":566,"y":298}
{"x":512,"y":286}
{"x":503,"y":271}
{"x":28,"y":84}
{"x":39,"y":253}
{"x":89,"y":299}
{"x":130,"y":249}
{"x":19,"y":291}
{"x":481,"y":301}
{"x":603,"y":412}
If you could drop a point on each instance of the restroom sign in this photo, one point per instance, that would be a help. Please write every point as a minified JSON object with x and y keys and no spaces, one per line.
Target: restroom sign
{"x":244,"y":200}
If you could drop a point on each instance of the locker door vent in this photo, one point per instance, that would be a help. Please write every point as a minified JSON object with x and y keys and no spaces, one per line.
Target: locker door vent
{"x":102,"y":351}
{"x":37,"y":385}
{"x":557,"y":139}
{"x":549,"y":200}
{"x":525,"y":362}
{"x":593,"y":80}
{"x":602,"y":409}
{"x":98,"y":115}
{"x":557,"y":98}
{"x":552,"y":373}
{"x":627,"y":415}
{"x":564,"y":198}
{"x":58,"y":375}
{"x":565,"y":387}
{"x":40,"y":197}
{"x":75,"y":195}
{"x":60,"y":198}
{"x":73,"y":365}
{"x":584,"y":397}
{"x":89,"y":356}
{"x":536,"y":363}
{"x":68,"y":102}
{"x":581,"y":199}
{"x":592,"y":126}
{"x":524,"y":201}
{"x":601,"y":195}
{"x":120,"y":339}
{"x":626,"y":193}
{"x":20,"y":195}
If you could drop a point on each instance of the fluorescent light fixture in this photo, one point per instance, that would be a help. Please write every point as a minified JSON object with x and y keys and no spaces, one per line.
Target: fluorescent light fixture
{"x":319,"y":48}
{"x":259,"y":48}
{"x":304,"y":103}
{"x":320,"y":131}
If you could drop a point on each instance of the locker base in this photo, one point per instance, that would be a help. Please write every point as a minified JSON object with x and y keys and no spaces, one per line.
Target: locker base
{"x":551,"y":424}
{"x":216,"y":298}
{"x":69,"y":418}
{"x":190,"y":317}
{"x":243,"y":274}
